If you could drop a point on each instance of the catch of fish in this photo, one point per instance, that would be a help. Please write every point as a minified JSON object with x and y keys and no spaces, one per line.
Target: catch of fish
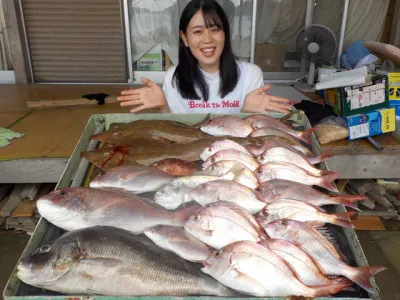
{"x":225,"y":207}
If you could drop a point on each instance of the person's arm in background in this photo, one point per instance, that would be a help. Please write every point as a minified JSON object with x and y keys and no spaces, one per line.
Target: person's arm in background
{"x":257,"y":101}
{"x":149,"y":96}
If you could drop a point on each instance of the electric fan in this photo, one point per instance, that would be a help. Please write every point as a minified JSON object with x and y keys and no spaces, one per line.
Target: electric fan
{"x":315,"y":44}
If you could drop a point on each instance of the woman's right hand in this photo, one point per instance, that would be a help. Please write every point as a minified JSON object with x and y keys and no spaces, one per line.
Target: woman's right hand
{"x":149,"y":96}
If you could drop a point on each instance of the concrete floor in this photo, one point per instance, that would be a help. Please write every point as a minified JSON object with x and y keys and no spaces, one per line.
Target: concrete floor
{"x":380,"y":247}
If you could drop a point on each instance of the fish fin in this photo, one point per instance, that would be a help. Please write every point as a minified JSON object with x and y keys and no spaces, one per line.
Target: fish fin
{"x":101,"y":137}
{"x":341,"y":221}
{"x":327,"y":179}
{"x":325,"y":290}
{"x":346,"y":215}
{"x":206,"y":120}
{"x":323,"y":157}
{"x":363,"y":275}
{"x":344,"y":202}
{"x":305,"y":136}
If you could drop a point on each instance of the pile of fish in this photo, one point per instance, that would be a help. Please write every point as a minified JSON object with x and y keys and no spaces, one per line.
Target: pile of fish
{"x":225,"y":209}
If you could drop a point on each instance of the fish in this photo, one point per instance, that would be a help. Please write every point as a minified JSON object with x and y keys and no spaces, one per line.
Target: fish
{"x":132,"y":178}
{"x":178,"y":241}
{"x":145,"y":153}
{"x":174,"y":194}
{"x":221,"y":223}
{"x":321,"y":251}
{"x":160,"y":130}
{"x":229,"y":154}
{"x":176,"y":167}
{"x":227,"y":190}
{"x":263,"y":121}
{"x":76,"y":208}
{"x":258,"y":149}
{"x":113,"y":262}
{"x":301,"y":211}
{"x":253,"y":269}
{"x":242,"y":174}
{"x":227,"y":126}
{"x":221,"y":145}
{"x":269,"y":131}
{"x":281,"y":170}
{"x":281,"y":154}
{"x":285,"y":189}
{"x":301,"y":263}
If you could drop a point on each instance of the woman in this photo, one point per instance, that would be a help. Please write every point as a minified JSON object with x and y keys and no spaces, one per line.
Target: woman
{"x":207,"y":77}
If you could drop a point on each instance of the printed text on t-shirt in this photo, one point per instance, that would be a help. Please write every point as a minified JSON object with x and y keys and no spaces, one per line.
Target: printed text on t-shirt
{"x":203,"y":104}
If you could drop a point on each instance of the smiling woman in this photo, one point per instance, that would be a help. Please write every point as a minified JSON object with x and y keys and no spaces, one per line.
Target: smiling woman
{"x":207,"y":77}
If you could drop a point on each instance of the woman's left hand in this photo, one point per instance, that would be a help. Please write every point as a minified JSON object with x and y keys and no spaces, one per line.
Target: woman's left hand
{"x":258,"y":101}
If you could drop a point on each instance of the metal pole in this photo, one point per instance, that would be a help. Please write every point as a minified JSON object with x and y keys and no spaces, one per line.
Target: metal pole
{"x":308,"y":22}
{"x":253,"y":32}
{"x":131,"y":78}
{"x":26,"y":42}
{"x":342,"y":31}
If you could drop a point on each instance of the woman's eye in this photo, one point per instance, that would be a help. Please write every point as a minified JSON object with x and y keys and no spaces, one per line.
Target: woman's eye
{"x":215,"y":29}
{"x":197,"y":32}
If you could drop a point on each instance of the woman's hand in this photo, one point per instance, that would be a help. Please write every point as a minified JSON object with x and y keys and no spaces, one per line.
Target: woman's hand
{"x":258,"y":101}
{"x":149,"y":96}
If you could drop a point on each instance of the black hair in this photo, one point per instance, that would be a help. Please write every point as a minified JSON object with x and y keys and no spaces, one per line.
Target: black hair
{"x":187,"y":75}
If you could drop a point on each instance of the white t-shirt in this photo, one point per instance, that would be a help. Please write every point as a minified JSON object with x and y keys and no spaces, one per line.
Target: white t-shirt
{"x":251,"y":78}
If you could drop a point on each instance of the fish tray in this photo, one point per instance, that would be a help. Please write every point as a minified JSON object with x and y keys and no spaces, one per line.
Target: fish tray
{"x":76,"y":171}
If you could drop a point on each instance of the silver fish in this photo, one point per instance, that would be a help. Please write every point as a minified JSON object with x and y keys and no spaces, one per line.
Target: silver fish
{"x":174,"y":193}
{"x":133,"y":179}
{"x":178,"y":241}
{"x":257,"y":149}
{"x":230,"y":154}
{"x":227,"y":190}
{"x":255,"y":270}
{"x":76,"y":208}
{"x":320,"y":250}
{"x":113,"y":262}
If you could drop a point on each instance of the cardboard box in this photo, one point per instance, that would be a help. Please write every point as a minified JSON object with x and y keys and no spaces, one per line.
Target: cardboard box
{"x":270,"y":58}
{"x":372,"y":123}
{"x":394,"y":92}
{"x":152,"y":60}
{"x":361,"y":99}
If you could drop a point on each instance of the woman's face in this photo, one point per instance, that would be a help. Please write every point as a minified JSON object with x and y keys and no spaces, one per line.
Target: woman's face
{"x":206,"y":44}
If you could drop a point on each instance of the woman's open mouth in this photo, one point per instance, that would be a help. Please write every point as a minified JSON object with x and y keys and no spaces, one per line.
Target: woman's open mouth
{"x":208,"y":52}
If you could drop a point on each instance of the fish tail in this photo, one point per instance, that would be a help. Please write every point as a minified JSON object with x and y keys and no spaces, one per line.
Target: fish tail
{"x":323,"y":157}
{"x":342,"y":220}
{"x":305,"y":136}
{"x":326,"y":290}
{"x":327,"y":181}
{"x":352,"y":198}
{"x":363,"y":274}
{"x":346,"y":203}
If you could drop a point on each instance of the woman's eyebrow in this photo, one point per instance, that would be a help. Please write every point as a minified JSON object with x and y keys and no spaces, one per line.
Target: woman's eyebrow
{"x":197,"y":26}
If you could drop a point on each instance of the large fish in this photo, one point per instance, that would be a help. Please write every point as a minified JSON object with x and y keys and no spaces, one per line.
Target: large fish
{"x":320,"y":250}
{"x":300,"y":262}
{"x":269,"y":131}
{"x":161,"y":130}
{"x":262,"y":121}
{"x":301,"y":211}
{"x":178,"y":241}
{"x":113,"y":262}
{"x":255,"y":270}
{"x":175,"y":193}
{"x":227,"y":190}
{"x":286,"y":171}
{"x":222,"y":223}
{"x":227,"y":126}
{"x":135,"y":179}
{"x":285,"y":189}
{"x":76,"y":208}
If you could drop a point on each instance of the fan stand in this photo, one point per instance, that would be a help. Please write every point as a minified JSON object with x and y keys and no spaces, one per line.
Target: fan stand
{"x":312,"y":48}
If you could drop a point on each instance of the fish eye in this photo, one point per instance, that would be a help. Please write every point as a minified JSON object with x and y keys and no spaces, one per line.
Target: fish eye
{"x":45,"y":248}
{"x":259,"y":172}
{"x":262,"y":157}
{"x":196,"y":218}
{"x":218,"y":253}
{"x":284,"y":222}
{"x":263,"y":213}
{"x":62,"y":193}
{"x":210,"y":149}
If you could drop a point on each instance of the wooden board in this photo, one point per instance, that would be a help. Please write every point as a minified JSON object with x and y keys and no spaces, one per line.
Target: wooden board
{"x":368,"y":223}
{"x":7,"y":119}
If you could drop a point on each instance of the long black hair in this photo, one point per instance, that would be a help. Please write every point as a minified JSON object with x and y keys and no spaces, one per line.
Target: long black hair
{"x":187,"y":75}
